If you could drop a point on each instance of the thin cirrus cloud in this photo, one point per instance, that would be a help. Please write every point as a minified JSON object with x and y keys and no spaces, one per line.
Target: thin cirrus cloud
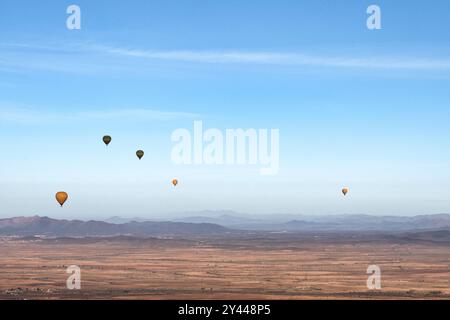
{"x":89,"y":57}
{"x":31,"y":116}
{"x":261,"y":57}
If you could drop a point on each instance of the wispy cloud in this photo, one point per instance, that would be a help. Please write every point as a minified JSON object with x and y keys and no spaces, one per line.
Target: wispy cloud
{"x":89,"y":57}
{"x":26,"y":115}
{"x":283,"y":58}
{"x":143,"y":114}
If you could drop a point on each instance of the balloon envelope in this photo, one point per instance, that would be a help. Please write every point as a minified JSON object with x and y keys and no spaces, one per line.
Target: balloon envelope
{"x":107,"y":139}
{"x":140,"y":154}
{"x":61,"y":197}
{"x":345,"y":191}
{"x":174,"y":182}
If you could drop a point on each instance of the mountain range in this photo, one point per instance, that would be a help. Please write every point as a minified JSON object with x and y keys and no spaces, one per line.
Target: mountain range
{"x":31,"y":226}
{"x":198,"y":225}
{"x":283,"y":222}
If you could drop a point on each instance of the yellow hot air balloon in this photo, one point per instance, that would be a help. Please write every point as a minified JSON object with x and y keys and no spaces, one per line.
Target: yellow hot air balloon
{"x":61,"y":197}
{"x":174,"y":182}
{"x":345,"y":191}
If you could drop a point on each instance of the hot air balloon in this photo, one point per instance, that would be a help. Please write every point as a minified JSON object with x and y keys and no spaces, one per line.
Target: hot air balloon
{"x":140,"y":154}
{"x":174,"y":182}
{"x":61,"y":197}
{"x":107,"y":139}
{"x":345,"y":191}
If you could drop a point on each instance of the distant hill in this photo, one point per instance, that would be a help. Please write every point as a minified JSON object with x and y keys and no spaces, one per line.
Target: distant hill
{"x":371,"y":223}
{"x":294,"y":223}
{"x":439,"y":236}
{"x":120,"y":220}
{"x":418,"y":226}
{"x":44,"y":226}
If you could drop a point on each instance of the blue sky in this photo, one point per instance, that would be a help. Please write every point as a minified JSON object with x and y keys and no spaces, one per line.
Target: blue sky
{"x":357,"y":108}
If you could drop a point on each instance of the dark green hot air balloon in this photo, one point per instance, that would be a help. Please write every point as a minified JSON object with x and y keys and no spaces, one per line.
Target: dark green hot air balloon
{"x":140,"y":154}
{"x":107,"y":139}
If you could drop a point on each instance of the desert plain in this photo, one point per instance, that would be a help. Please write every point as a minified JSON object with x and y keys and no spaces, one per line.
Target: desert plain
{"x":272,"y":266}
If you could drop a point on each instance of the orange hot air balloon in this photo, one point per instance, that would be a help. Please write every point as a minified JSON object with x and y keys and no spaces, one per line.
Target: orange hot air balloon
{"x":345,"y":191}
{"x":61,"y":197}
{"x":174,"y":182}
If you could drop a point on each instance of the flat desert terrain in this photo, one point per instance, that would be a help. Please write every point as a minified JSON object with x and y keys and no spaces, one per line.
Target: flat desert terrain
{"x":272,"y":267}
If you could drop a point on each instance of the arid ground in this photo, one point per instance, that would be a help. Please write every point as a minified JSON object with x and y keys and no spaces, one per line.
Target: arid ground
{"x":274,"y":267}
